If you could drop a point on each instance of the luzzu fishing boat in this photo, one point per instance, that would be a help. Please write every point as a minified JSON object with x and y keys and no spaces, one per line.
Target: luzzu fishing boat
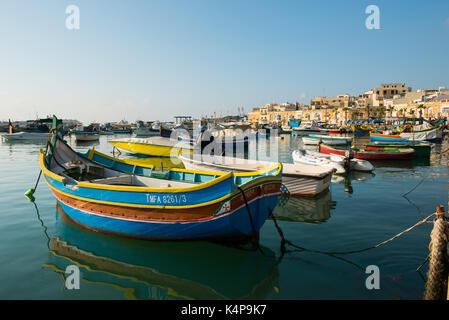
{"x":367,"y":154}
{"x":361,"y":130}
{"x":387,"y":137}
{"x":153,"y":146}
{"x":410,"y":134}
{"x":178,"y":204}
{"x":422,"y":149}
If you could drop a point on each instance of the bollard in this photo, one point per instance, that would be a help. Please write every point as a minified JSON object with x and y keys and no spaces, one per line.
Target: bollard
{"x":440,"y":212}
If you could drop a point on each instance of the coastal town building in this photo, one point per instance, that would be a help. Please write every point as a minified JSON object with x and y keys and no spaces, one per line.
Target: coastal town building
{"x":391,"y":100}
{"x":276,"y":113}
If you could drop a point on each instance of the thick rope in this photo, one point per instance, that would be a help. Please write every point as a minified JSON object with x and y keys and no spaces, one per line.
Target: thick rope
{"x":436,"y":285}
{"x":254,"y":241}
{"x":285,"y":241}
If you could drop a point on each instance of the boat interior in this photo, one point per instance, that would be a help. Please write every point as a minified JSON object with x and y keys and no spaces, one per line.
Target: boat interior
{"x":75,"y":168}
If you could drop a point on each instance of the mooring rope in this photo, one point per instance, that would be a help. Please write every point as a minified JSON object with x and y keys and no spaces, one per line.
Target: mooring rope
{"x":30,"y":192}
{"x":285,"y":241}
{"x":422,"y":180}
{"x":42,"y":224}
{"x":437,"y":275}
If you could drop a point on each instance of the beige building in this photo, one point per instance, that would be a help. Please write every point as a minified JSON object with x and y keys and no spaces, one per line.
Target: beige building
{"x":343,"y":100}
{"x":389,"y":90}
{"x":275,"y":113}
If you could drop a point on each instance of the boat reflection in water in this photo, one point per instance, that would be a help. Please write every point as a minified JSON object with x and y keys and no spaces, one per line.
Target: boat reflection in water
{"x":305,"y":209}
{"x":352,"y":176}
{"x":163,"y":270}
{"x":82,"y":143}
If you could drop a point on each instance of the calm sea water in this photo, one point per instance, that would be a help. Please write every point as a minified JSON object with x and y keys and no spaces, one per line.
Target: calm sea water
{"x":359,"y":211}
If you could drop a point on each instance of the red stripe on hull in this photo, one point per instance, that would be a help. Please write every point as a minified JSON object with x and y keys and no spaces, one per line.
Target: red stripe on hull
{"x":369,"y":155}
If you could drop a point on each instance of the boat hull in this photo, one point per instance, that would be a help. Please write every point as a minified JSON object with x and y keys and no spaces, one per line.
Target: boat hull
{"x":425,"y":135}
{"x":387,"y":138}
{"x":317,"y":141}
{"x":297,"y":185}
{"x":26,"y":136}
{"x":227,"y":220}
{"x":86,"y":136}
{"x":371,"y":155}
{"x":151,"y":149}
{"x":421,"y":150}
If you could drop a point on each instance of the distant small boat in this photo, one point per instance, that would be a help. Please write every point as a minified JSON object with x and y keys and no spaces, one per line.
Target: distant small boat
{"x":285,"y":130}
{"x":86,"y":136}
{"x":366,"y":154}
{"x":145,"y":132}
{"x":306,"y":128}
{"x":26,"y":136}
{"x":387,"y":137}
{"x":86,"y":133}
{"x":406,"y":137}
{"x":310,"y":141}
{"x":361,"y":130}
{"x":422,"y":149}
{"x":330,"y":140}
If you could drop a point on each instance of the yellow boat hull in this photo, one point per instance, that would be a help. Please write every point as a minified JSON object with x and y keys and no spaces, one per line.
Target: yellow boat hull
{"x":151,"y":149}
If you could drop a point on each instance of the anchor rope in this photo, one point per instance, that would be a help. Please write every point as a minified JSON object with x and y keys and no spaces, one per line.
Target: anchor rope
{"x":437,"y":275}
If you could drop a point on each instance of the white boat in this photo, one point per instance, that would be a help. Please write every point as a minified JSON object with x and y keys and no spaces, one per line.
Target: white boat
{"x":306,"y":128}
{"x":89,"y":133}
{"x":86,"y":136}
{"x":354,"y":164}
{"x":299,"y":179}
{"x":26,"y":136}
{"x":329,"y":140}
{"x":338,"y":160}
{"x":315,"y":142}
{"x":314,"y":158}
{"x":424,"y":135}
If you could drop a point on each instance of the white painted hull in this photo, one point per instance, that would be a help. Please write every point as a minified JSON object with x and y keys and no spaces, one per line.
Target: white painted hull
{"x":315,"y":142}
{"x":307,"y":157}
{"x":86,"y":137}
{"x":423,"y":136}
{"x":26,"y":136}
{"x":294,"y":177}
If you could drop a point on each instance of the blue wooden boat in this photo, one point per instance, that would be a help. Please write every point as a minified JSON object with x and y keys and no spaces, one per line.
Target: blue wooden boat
{"x":177,"y":204}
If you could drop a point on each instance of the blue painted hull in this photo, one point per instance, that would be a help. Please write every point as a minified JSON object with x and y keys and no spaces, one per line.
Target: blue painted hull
{"x":386,"y":139}
{"x":235,"y":224}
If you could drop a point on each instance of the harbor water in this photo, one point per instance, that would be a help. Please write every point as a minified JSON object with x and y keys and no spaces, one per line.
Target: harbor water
{"x":37,"y":242}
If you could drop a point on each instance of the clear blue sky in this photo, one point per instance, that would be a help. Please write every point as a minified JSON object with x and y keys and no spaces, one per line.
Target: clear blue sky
{"x":151,"y":60}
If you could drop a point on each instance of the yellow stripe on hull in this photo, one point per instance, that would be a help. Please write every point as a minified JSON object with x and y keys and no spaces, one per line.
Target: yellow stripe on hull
{"x":151,"y":149}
